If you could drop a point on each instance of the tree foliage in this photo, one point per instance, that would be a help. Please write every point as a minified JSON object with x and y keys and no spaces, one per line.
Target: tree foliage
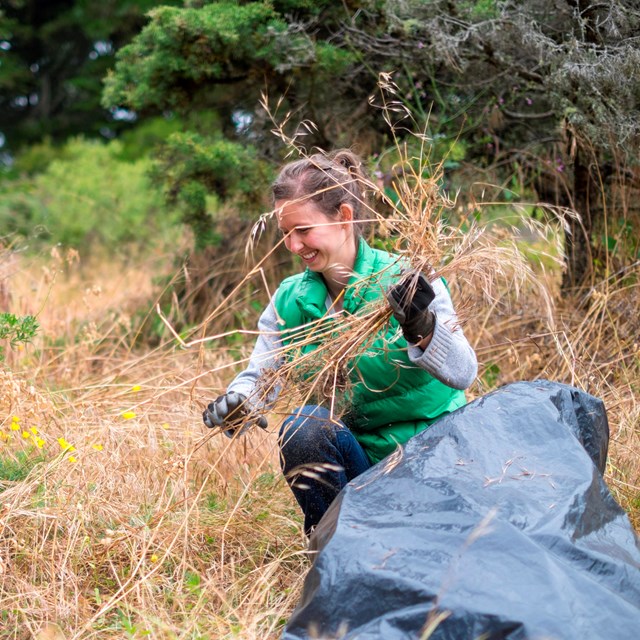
{"x":88,"y":197}
{"x":187,"y":50}
{"x":53,"y":56}
{"x":545,"y":86}
{"x":551,"y":87}
{"x":519,"y":69}
{"x":194,"y":168}
{"x":210,"y":64}
{"x":548,"y":90}
{"x":221,"y":56}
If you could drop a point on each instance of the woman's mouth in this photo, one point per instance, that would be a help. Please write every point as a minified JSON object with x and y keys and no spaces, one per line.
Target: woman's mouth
{"x":309,"y":257}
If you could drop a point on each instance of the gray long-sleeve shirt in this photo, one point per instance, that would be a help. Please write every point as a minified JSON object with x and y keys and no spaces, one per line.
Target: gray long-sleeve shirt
{"x":448,"y":357}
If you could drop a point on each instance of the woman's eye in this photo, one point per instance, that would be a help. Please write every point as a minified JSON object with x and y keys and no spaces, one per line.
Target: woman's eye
{"x":303,"y":230}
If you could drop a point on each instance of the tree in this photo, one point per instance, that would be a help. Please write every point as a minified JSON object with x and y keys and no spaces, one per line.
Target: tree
{"x":54,"y":54}
{"x":220,"y":57}
{"x":209,"y":64}
{"x":548,"y":87}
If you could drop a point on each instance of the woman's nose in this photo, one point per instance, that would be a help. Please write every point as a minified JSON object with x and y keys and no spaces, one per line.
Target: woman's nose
{"x":292,"y":242}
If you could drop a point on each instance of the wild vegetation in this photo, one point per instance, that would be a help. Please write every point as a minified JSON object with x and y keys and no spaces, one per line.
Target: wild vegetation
{"x":133,"y":270}
{"x":122,"y":516}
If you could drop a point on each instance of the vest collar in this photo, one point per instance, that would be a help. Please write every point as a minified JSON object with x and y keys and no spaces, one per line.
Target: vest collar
{"x":312,"y":295}
{"x":313,"y":290}
{"x":361,"y":280}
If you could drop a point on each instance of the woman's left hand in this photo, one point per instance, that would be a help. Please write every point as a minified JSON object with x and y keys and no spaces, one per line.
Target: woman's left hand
{"x":409,"y":300}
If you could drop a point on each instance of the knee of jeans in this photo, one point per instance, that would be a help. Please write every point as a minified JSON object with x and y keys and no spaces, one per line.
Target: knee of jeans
{"x":303,"y":425}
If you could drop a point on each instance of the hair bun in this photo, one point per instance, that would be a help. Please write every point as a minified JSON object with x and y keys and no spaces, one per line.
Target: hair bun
{"x":346,"y":159}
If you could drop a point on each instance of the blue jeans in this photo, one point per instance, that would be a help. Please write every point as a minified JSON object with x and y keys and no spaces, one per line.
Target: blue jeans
{"x":318,"y":458}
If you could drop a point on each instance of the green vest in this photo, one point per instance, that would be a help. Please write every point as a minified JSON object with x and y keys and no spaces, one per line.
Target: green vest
{"x":391,"y":398}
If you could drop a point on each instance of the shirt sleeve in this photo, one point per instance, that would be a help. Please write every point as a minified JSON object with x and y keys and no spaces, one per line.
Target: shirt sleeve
{"x":448,"y":357}
{"x":267,"y":354}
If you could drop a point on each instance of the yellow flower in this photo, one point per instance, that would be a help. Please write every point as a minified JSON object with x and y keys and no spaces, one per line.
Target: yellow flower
{"x":39,"y":442}
{"x":34,"y":431}
{"x":15,"y":419}
{"x":97,"y":447}
{"x":154,"y":558}
{"x":127,"y":415}
{"x":4,"y":437}
{"x":135,"y":388}
{"x":26,"y":435}
{"x":15,"y":426}
{"x":165,"y":425}
{"x":65,"y":445}
{"x":72,"y":459}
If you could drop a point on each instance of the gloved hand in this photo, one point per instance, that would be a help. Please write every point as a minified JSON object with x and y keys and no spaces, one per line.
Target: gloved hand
{"x":231,"y":411}
{"x":409,"y":300}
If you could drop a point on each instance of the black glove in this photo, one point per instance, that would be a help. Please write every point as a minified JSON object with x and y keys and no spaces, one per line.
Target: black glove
{"x":231,"y":411}
{"x":410,"y":299}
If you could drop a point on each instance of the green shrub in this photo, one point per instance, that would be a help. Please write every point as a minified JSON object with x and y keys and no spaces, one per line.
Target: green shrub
{"x":199,"y":173}
{"x":37,"y":157}
{"x":88,"y":197}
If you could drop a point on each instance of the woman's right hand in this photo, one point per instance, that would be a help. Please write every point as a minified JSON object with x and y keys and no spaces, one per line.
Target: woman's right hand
{"x":231,"y":411}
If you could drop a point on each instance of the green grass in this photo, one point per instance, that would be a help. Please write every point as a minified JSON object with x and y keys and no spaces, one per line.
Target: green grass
{"x":15,"y":467}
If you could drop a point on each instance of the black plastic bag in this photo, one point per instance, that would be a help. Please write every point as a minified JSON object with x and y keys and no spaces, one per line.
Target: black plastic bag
{"x":494,"y":523}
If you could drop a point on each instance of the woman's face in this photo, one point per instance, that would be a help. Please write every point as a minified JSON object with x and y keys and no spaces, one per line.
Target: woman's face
{"x":325,"y":245}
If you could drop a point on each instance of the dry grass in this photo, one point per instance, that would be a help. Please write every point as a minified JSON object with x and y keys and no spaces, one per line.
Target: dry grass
{"x":148,"y":524}
{"x":153,"y":526}
{"x":160,"y":526}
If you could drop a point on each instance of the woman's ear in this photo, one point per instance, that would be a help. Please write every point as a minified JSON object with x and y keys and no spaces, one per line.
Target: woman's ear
{"x":346,"y":212}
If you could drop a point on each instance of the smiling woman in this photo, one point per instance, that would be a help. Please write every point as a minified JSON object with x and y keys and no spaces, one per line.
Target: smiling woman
{"x":412,"y":371}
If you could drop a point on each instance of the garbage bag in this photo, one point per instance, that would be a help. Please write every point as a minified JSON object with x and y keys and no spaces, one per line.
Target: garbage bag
{"x":494,"y":523}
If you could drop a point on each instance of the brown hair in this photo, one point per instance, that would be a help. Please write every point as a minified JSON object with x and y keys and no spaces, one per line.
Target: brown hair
{"x":327,"y":180}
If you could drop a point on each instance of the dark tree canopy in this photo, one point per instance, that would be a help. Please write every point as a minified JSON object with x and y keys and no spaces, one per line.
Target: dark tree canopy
{"x":53,"y":57}
{"x":549,"y":86}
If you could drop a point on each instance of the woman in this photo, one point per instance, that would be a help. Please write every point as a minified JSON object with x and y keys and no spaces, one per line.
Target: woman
{"x":401,"y":383}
